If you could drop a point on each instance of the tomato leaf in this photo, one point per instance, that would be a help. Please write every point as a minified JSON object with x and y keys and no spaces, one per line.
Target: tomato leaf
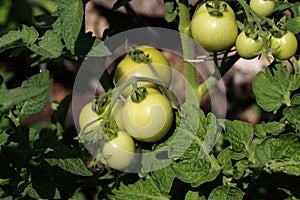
{"x":292,"y":115}
{"x":240,"y":135}
{"x":172,"y":11}
{"x":226,"y":192}
{"x":50,"y":45}
{"x":224,"y":160}
{"x":70,"y":13}
{"x":273,"y":128}
{"x":272,"y":88}
{"x":58,"y":154}
{"x":197,"y":170}
{"x":280,"y":154}
{"x":72,"y":165}
{"x":42,"y":186}
{"x":191,"y":195}
{"x":36,"y":103}
{"x":30,"y":97}
{"x":293,"y":25}
{"x":146,"y":189}
{"x":26,"y":35}
{"x":99,"y":49}
{"x":165,"y":177}
{"x":296,"y":99}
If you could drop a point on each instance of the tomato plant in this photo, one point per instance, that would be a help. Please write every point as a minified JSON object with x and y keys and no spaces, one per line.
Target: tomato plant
{"x":149,"y":118}
{"x":136,"y":139}
{"x":263,"y":7}
{"x":285,"y":45}
{"x":119,"y":152}
{"x":214,"y":32}
{"x":144,"y":61}
{"x":248,"y":47}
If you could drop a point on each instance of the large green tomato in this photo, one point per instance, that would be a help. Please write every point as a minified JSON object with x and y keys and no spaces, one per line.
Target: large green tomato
{"x":150,"y":119}
{"x":87,"y":115}
{"x":158,"y":66}
{"x":214,"y":33}
{"x":286,"y":46}
{"x":119,"y":152}
{"x":248,"y":47}
{"x":263,"y":7}
{"x":228,"y":12}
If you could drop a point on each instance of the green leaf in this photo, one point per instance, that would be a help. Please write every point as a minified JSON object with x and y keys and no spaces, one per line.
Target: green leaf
{"x":296,"y":99}
{"x":99,"y":49}
{"x":241,"y":169}
{"x":72,"y":165}
{"x":4,"y":11}
{"x":191,"y":195}
{"x":292,"y":115}
{"x":33,"y":94}
{"x":35,"y":104}
{"x":226,"y":193}
{"x":70,"y":13}
{"x":26,"y":35}
{"x":273,"y":128}
{"x":42,"y":186}
{"x":273,"y":88}
{"x":197,"y":170}
{"x":146,"y":189}
{"x":120,"y":3}
{"x":165,"y":177}
{"x":57,"y":153}
{"x":240,"y":135}
{"x":293,"y":25}
{"x":280,"y":154}
{"x":171,"y":11}
{"x":50,"y":45}
{"x":224,"y":160}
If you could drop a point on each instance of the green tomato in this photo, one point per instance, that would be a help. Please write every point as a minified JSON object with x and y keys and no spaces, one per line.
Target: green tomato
{"x":286,"y":46}
{"x":248,"y":47}
{"x":128,"y":67}
{"x":263,"y":7}
{"x":228,"y":12}
{"x":119,"y":153}
{"x":87,"y":115}
{"x":214,"y":33}
{"x":150,"y":119}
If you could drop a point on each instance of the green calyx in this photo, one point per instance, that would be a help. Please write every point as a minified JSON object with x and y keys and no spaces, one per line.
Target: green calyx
{"x":216,"y":8}
{"x":139,"y":94}
{"x":139,"y":56}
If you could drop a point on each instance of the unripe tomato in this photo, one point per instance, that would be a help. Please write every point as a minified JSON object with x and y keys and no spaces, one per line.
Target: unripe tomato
{"x":228,"y":12}
{"x":214,"y":33}
{"x":119,"y":152}
{"x":150,"y":119}
{"x":158,"y":65}
{"x":248,"y":47}
{"x":87,"y":115}
{"x":286,"y":46}
{"x":263,"y":7}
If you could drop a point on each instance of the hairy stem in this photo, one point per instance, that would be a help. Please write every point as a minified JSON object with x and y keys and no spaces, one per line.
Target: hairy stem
{"x":188,"y":52}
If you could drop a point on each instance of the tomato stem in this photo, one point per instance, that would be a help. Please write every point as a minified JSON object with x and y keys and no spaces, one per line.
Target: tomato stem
{"x":188,"y":51}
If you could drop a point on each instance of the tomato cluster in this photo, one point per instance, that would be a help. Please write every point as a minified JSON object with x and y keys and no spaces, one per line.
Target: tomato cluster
{"x":214,"y":27}
{"x":144,"y":115}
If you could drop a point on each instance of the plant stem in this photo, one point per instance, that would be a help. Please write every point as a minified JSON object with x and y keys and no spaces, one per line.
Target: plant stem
{"x":188,"y":52}
{"x":213,"y":80}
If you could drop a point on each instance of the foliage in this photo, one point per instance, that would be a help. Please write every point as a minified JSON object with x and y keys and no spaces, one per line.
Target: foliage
{"x":208,"y":158}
